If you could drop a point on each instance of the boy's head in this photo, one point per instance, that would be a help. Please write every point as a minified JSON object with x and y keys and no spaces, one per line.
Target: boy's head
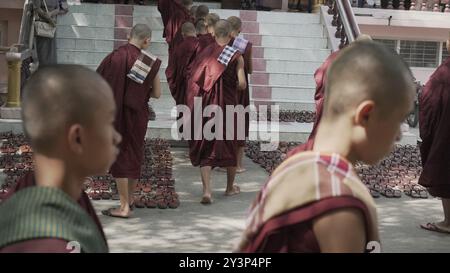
{"x":222,"y":29}
{"x":68,"y":113}
{"x":188,"y":30}
{"x":236,"y":26}
{"x":372,"y":89}
{"x":141,"y":35}
{"x":201,"y":12}
{"x":211,"y":20}
{"x":200,"y":27}
{"x":193,"y":11}
{"x":187,"y":4}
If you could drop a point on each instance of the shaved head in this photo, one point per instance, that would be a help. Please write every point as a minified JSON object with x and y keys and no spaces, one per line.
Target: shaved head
{"x":222,"y":29}
{"x":202,"y":12}
{"x":200,"y":27}
{"x":211,"y":19}
{"x":366,"y":71}
{"x":193,"y":10}
{"x":235,"y":22}
{"x":57,"y":97}
{"x":188,"y":29}
{"x":187,"y":3}
{"x":141,"y":32}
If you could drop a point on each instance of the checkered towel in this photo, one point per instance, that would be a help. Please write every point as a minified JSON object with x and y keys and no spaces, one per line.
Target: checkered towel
{"x":240,"y":44}
{"x":226,"y":55}
{"x":142,"y":67}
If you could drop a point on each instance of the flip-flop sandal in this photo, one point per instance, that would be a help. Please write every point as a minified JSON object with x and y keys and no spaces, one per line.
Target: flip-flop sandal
{"x":387,"y":192}
{"x":434,"y":227}
{"x":108,"y":212}
{"x":161,"y":202}
{"x":96,"y":195}
{"x":150,"y":202}
{"x":421,"y":192}
{"x":139,"y":202}
{"x":374,"y":193}
{"x":173,"y":202}
{"x":237,"y":190}
{"x":106,"y":195}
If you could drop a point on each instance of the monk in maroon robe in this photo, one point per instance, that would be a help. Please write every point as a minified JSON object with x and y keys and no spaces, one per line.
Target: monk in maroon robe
{"x":207,"y":38}
{"x":133,"y":75}
{"x":315,"y":201}
{"x":218,"y":73}
{"x":48,"y":210}
{"x":434,"y":123}
{"x":174,"y":14}
{"x":245,"y":48}
{"x":182,"y":57}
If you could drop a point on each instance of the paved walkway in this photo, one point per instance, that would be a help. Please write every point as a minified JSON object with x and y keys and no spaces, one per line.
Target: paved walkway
{"x":197,"y":228}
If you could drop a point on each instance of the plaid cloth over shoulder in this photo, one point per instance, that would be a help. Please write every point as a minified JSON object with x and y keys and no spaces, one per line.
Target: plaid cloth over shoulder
{"x":240,"y":44}
{"x":226,"y":55}
{"x":142,"y":67}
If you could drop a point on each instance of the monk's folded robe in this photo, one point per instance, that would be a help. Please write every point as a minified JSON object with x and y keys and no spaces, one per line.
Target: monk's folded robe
{"x":304,"y":187}
{"x":243,"y":97}
{"x":213,"y":78}
{"x":205,"y":40}
{"x":434,"y":123}
{"x":176,"y":71}
{"x":37,"y":213}
{"x":132,"y":97}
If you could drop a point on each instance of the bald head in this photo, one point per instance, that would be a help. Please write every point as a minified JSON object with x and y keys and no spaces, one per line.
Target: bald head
{"x":141,"y":32}
{"x":193,"y":10}
{"x":187,"y":3}
{"x":366,"y":71}
{"x":363,"y":37}
{"x":200,"y":27}
{"x":188,"y":30}
{"x":56,"y":97}
{"x":235,"y":23}
{"x":211,"y":19}
{"x":222,"y":29}
{"x":202,"y":12}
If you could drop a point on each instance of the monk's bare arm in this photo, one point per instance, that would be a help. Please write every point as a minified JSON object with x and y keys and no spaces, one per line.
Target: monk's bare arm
{"x":242,"y":84}
{"x":156,"y":87}
{"x":250,"y":61}
{"x":341,"y":231}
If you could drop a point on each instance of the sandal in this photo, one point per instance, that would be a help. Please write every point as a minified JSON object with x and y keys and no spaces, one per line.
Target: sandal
{"x":434,"y":227}
{"x":109,"y":213}
{"x":150,"y":202}
{"x":139,"y":201}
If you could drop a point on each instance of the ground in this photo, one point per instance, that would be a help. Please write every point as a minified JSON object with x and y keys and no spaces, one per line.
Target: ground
{"x":197,"y":228}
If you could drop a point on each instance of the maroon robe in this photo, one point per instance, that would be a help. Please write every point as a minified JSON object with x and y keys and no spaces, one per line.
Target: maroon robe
{"x":434,"y":123}
{"x":292,"y":232}
{"x":174,"y":15}
{"x":243,"y":97}
{"x":51,"y":244}
{"x":216,"y":85}
{"x":205,"y":40}
{"x":132,"y":108}
{"x":320,"y":78}
{"x":176,"y":71}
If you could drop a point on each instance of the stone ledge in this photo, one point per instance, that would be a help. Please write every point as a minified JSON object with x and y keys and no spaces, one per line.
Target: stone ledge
{"x":10,"y":113}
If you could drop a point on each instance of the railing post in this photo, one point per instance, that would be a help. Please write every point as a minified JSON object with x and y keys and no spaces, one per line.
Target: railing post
{"x":14,"y":67}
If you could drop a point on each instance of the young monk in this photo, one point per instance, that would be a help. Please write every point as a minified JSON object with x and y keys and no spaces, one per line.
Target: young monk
{"x":133,"y":74}
{"x":174,"y":13}
{"x":245,"y":48}
{"x":69,"y":144}
{"x":201,"y":12}
{"x":314,"y":201}
{"x":215,"y":77}
{"x":183,"y":55}
{"x":434,"y":121}
{"x":320,"y":79}
{"x":193,"y":10}
{"x":207,"y":39}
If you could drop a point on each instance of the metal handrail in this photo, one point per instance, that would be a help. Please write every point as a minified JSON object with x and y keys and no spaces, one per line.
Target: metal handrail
{"x":348,"y":20}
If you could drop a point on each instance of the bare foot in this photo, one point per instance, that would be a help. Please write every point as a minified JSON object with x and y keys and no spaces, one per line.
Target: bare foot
{"x":235,"y":190}
{"x":206,"y":199}
{"x":116,"y":212}
{"x":240,"y":170}
{"x":223,"y":170}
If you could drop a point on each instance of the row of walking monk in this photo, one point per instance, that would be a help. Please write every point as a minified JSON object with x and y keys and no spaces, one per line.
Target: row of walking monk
{"x":81,"y":123}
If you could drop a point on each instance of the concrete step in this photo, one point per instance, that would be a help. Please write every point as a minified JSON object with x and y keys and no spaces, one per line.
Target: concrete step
{"x":287,"y":104}
{"x":283,"y":79}
{"x":285,"y":42}
{"x":288,"y":18}
{"x":93,"y":9}
{"x":282,"y":93}
{"x":85,"y":44}
{"x":85,"y":19}
{"x":299,"y":55}
{"x":85,"y":32}
{"x":283,"y":66}
{"x":304,"y":30}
